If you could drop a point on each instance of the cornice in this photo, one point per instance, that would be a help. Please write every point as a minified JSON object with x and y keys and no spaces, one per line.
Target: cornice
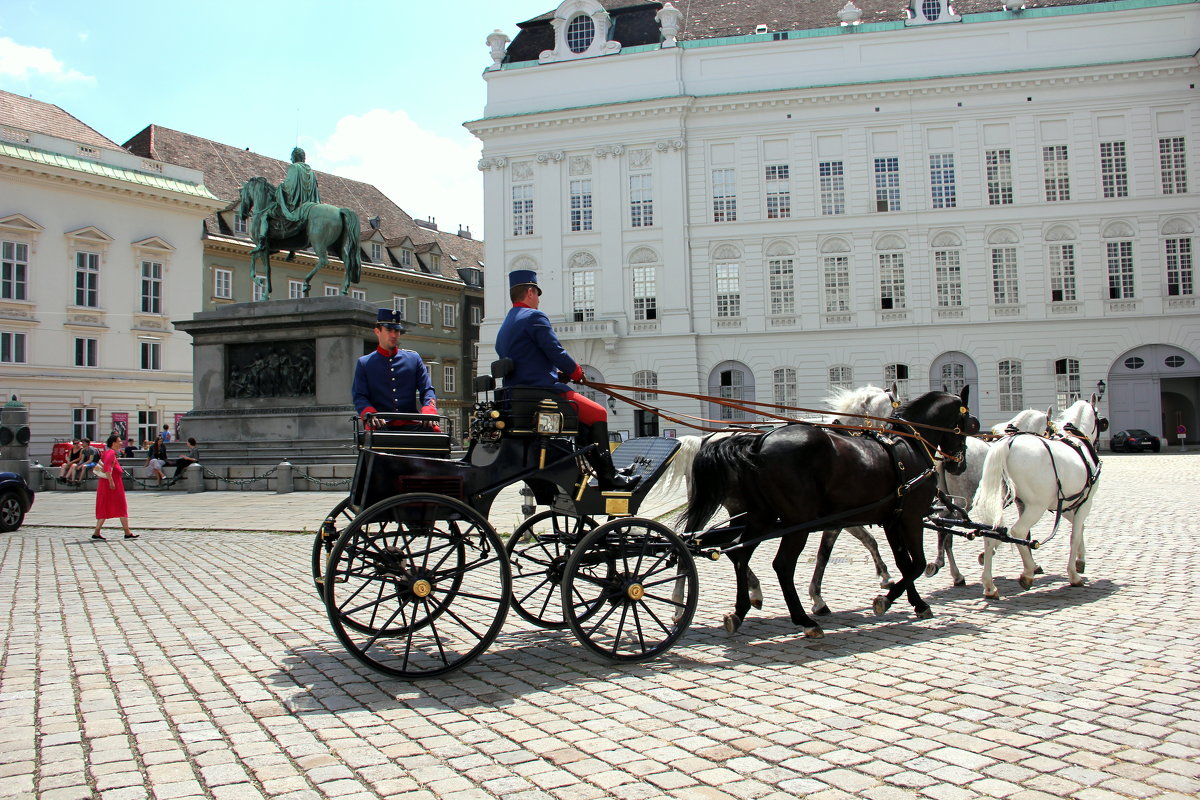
{"x":23,"y":170}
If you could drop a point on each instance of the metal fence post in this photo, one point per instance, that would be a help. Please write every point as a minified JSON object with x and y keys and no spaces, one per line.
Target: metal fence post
{"x":283,"y":478}
{"x":195,"y":478}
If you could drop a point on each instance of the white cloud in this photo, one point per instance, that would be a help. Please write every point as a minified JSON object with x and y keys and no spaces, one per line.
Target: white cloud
{"x":23,"y":62}
{"x":425,"y":173}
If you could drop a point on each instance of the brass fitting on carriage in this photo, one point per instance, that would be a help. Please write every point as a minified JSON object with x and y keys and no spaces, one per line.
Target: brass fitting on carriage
{"x":486,"y":425}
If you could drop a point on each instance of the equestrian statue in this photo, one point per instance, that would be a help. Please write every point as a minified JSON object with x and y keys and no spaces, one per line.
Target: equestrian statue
{"x":292,"y":217}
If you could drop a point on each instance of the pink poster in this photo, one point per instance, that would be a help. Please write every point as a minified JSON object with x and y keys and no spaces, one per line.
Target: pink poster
{"x":178,"y":422}
{"x":120,"y":424}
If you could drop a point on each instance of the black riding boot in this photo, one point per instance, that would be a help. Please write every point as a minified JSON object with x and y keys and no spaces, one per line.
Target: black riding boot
{"x":600,"y":457}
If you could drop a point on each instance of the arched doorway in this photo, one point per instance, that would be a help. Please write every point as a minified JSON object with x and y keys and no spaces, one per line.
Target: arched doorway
{"x":1155,"y":387}
{"x":731,"y":380}
{"x":951,"y":371}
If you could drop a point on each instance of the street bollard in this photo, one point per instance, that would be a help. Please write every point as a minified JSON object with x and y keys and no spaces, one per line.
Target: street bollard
{"x":195,"y":478}
{"x":283,"y":478}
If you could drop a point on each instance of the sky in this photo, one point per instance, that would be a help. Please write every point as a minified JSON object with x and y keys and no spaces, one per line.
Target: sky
{"x":374,"y":90}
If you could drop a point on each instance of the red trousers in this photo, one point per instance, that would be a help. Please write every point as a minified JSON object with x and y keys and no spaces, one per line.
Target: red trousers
{"x":590,"y":412}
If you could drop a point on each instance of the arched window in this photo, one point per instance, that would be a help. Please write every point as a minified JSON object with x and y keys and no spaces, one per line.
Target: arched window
{"x":646,"y":379}
{"x":1066,"y":382}
{"x":897,"y":374}
{"x":841,"y":376}
{"x":731,"y":380}
{"x":784,"y":382}
{"x":592,"y":375}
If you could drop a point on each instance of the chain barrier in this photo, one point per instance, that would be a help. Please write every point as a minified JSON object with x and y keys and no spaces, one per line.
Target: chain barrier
{"x":334,"y":482}
{"x":239,"y":482}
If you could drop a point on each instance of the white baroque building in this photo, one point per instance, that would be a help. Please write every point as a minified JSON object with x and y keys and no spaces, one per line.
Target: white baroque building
{"x":99,"y":251}
{"x":768,"y":199}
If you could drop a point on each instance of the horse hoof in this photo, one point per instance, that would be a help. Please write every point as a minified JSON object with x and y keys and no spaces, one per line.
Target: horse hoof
{"x":1026,"y":583}
{"x":814,"y":633}
{"x":994,"y":594}
{"x":880,"y":606}
{"x":757,"y":604}
{"x":822,"y":610}
{"x":732,"y":623}
{"x":1040,"y":571}
{"x":1078,"y":582}
{"x":981,"y":559}
{"x":1080,"y":566}
{"x":925,"y":613}
{"x":960,"y":582}
{"x":931,"y":570}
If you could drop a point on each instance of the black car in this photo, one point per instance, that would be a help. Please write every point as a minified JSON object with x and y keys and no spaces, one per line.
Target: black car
{"x":15,"y":500}
{"x":1133,"y":440}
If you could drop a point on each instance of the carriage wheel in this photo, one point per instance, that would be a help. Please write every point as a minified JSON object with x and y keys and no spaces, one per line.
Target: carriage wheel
{"x":327,"y":536}
{"x":417,"y":585}
{"x":648,"y":589}
{"x":537,"y":555}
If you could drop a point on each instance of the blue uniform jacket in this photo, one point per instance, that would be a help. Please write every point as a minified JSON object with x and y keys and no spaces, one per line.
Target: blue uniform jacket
{"x":527,"y":338}
{"x":392,"y":384}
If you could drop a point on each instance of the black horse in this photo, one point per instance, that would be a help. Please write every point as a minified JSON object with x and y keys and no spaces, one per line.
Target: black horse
{"x":810,"y":478}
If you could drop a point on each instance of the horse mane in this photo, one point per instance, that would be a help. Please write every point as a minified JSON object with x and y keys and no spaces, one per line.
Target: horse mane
{"x":920,"y":406}
{"x":857,"y":401}
{"x":1076,"y":414}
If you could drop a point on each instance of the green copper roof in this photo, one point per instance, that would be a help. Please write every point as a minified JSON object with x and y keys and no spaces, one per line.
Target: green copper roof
{"x":105,"y":170}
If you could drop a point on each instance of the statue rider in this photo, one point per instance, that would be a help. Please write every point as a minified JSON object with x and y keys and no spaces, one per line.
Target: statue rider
{"x":297,"y":189}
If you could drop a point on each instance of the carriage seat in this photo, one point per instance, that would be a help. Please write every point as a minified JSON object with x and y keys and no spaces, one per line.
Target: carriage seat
{"x":405,"y":442}
{"x":519,"y":405}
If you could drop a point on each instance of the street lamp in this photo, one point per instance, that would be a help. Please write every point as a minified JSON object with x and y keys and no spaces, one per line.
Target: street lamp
{"x":1100,"y":387}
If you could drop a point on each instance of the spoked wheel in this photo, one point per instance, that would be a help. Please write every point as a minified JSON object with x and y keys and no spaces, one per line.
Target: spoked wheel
{"x":647,"y":586}
{"x":417,"y":585}
{"x":327,"y":536}
{"x":537,"y":555}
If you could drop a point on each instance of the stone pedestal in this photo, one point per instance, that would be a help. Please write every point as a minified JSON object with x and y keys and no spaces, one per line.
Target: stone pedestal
{"x":271,"y":380}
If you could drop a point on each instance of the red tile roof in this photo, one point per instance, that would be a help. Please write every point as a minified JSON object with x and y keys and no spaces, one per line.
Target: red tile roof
{"x":38,"y":117}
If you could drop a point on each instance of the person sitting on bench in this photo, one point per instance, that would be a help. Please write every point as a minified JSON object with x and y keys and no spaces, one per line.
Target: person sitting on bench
{"x":539,"y":360}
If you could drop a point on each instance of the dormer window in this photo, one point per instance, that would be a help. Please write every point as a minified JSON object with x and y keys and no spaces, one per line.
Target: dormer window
{"x":925,"y":12}
{"x":377,"y":252}
{"x":580,"y":32}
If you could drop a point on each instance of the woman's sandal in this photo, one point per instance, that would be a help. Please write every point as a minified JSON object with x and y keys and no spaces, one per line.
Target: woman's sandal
{"x":97,"y":536}
{"x":131,"y":536}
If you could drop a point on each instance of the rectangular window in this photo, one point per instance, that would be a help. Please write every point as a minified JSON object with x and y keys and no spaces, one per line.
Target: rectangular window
{"x":724,"y":196}
{"x":358,"y":294}
{"x":1120,"y":270}
{"x":87,"y":279}
{"x":833,"y":187}
{"x":151,"y":355}
{"x":837,"y":284}
{"x":1179,"y":267}
{"x":12,"y":348}
{"x":400,"y":306}
{"x":779,"y":192}
{"x":897,"y":374}
{"x":841,"y":377}
{"x":1114,"y":175}
{"x":645,"y":300}
{"x":891,"y":280}
{"x":151,"y":287}
{"x":83,"y":423}
{"x":1012,"y":393}
{"x":85,"y":353}
{"x":781,"y":275}
{"x":887,"y":184}
{"x":258,"y":291}
{"x":449,"y":315}
{"x":148,"y":429}
{"x":295,"y":289}
{"x":1172,"y":160}
{"x":377,"y":252}
{"x":425,"y":312}
{"x":947,"y":271}
{"x":476,"y":315}
{"x":784,"y":382}
{"x":1062,"y":273}
{"x":583,"y":295}
{"x":223,"y":284}
{"x":999,"y":177}
{"x":406,"y":257}
{"x":239,"y":225}
{"x":941,"y":180}
{"x":641,"y":200}
{"x":1066,"y":380}
{"x":522,"y":210}
{"x":332,"y":291}
{"x":1055,"y":173}
{"x":729,"y":297}
{"x":449,"y":380}
{"x":1004,"y":276}
{"x":581,"y":205}
{"x":14,"y":271}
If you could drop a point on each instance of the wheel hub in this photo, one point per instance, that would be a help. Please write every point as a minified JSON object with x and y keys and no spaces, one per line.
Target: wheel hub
{"x":635,"y":591}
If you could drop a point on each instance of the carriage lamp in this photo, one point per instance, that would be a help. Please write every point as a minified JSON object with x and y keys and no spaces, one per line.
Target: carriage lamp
{"x":1100,"y":387}
{"x":549,"y":422}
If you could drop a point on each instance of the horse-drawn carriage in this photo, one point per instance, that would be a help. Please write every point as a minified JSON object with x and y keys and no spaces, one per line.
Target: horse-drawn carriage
{"x":417,"y":582}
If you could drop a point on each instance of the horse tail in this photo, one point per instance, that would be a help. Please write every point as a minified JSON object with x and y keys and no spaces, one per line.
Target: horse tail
{"x":351,"y":247}
{"x":994,"y":486}
{"x":716,"y":475}
{"x":679,"y":471}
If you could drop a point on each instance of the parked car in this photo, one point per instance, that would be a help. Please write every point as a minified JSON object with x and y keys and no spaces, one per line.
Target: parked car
{"x":1133,"y":440}
{"x":16,"y":498}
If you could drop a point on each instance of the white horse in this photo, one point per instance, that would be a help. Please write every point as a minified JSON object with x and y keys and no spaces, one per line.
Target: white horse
{"x":1041,"y":474}
{"x":866,"y":406}
{"x":961,"y":488}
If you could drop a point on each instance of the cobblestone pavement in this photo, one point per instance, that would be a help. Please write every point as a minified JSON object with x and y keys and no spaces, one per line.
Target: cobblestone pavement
{"x":199,"y":663}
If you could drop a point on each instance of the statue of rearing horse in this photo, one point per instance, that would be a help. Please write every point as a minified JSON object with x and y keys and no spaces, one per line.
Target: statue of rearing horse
{"x":319,"y":225}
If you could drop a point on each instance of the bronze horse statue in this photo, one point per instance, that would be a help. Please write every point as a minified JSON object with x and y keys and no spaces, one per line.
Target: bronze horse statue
{"x":325,"y":228}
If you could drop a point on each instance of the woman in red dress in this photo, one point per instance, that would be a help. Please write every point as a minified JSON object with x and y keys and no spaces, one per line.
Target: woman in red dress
{"x":110,"y":491}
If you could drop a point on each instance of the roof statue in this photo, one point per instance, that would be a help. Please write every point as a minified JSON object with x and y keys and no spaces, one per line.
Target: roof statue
{"x":291,"y":217}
